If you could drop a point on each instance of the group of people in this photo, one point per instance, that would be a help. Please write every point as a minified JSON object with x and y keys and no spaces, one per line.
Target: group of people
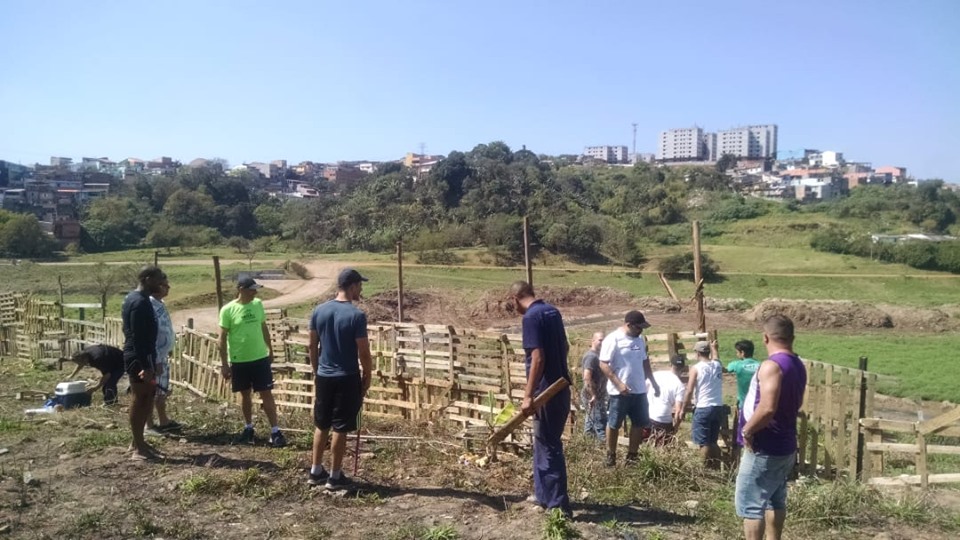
{"x":619,"y":384}
{"x":339,"y":356}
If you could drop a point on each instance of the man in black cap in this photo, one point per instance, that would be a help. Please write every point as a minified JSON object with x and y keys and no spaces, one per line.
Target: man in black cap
{"x":340,"y":357}
{"x":624,"y":360}
{"x":245,"y":342}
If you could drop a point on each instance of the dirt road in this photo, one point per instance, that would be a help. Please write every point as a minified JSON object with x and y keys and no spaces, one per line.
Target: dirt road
{"x":292,"y":291}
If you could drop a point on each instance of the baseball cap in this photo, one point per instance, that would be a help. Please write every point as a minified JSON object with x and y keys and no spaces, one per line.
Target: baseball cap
{"x":247,"y":282}
{"x":702,"y":347}
{"x":635,"y":318}
{"x":679,"y":360}
{"x":349,"y":276}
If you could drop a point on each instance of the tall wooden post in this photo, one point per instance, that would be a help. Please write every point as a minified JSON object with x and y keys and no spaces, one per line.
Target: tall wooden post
{"x":400,"y":281}
{"x":156,"y":258}
{"x":861,"y":441}
{"x":698,"y":278}
{"x":60,"y":289}
{"x":526,"y":249}
{"x":216,"y":274}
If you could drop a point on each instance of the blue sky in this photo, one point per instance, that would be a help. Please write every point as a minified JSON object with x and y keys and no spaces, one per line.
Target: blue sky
{"x":325,"y":81}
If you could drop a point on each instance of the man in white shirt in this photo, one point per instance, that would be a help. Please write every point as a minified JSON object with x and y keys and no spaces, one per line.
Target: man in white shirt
{"x":623,"y":359}
{"x":666,"y":410}
{"x":706,"y":382}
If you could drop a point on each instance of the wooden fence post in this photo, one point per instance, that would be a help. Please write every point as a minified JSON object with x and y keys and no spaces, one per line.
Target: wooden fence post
{"x":216,"y":274}
{"x":861,"y":413}
{"x":526,"y":250}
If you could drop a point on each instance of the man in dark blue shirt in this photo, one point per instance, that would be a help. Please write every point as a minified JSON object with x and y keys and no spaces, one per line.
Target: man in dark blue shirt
{"x":340,"y":357}
{"x":139,"y":353}
{"x":546,"y":346}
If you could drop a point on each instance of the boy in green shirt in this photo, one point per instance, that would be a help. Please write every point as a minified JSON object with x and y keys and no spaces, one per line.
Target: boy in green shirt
{"x":744,"y":367}
{"x":245,"y":340}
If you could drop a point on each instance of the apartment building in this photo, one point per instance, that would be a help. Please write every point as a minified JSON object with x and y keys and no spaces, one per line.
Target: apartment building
{"x":609,"y":154}
{"x":748,"y":141}
{"x":684,"y":144}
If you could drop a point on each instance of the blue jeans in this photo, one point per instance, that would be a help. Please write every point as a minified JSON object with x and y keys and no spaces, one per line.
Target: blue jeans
{"x":595,"y":417}
{"x":762,"y":483}
{"x":632,"y":406}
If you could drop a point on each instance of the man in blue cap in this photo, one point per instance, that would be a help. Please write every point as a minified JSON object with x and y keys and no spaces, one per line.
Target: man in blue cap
{"x":340,"y":357}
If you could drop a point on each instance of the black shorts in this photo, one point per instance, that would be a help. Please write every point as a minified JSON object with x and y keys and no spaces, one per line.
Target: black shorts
{"x":247,"y":375}
{"x":337,"y":402}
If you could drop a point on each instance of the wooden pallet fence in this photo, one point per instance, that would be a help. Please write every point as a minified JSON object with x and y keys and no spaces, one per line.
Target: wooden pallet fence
{"x":884,"y":439}
{"x":829,"y":420}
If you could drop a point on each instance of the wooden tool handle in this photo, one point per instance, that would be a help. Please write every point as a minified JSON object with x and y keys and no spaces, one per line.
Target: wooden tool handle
{"x":520,"y":417}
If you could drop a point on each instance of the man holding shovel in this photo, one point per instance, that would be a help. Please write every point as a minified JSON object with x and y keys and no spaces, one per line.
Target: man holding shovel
{"x":546,"y":346}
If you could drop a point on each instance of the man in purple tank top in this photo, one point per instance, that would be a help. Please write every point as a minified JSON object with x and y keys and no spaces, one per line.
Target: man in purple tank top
{"x":770,"y":433}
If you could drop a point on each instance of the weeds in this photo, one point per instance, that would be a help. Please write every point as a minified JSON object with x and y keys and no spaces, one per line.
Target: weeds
{"x":408,"y":531}
{"x":84,"y":525}
{"x":319,"y":532}
{"x":558,"y":527}
{"x":10,"y":426}
{"x":441,"y":532}
{"x":98,"y":440}
{"x":198,"y":483}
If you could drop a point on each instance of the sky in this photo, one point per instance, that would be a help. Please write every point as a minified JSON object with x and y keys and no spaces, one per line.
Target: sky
{"x":324,"y":80}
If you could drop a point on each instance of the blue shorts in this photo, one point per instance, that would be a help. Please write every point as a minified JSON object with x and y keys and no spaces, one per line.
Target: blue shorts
{"x":706,"y":425}
{"x":632,"y":406}
{"x":762,"y":483}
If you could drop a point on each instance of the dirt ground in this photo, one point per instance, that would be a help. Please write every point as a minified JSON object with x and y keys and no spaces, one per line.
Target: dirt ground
{"x":68,"y":476}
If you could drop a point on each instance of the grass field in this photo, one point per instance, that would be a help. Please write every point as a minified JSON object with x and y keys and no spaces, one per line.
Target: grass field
{"x":749,"y":272}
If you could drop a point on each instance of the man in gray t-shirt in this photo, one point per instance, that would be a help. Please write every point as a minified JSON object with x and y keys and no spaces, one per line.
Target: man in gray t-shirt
{"x":594,"y":394}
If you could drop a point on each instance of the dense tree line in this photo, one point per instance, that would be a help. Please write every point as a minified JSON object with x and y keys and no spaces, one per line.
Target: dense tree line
{"x":470,"y":199}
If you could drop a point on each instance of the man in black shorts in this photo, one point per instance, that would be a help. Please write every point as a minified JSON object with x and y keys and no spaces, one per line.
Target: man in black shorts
{"x":108,"y":361}
{"x":340,"y":357}
{"x":245,"y":342}
{"x":139,"y":353}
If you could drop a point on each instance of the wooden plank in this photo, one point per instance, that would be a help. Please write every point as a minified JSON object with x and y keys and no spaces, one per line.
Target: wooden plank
{"x":922,"y":460}
{"x":908,"y":448}
{"x":936,"y":424}
{"x":843,"y":400}
{"x":828,"y":415}
{"x":946,"y":478}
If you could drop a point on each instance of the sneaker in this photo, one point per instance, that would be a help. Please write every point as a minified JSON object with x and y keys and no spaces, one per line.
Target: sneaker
{"x":611,"y":460}
{"x":318,"y":479}
{"x":277,"y":440}
{"x":632,"y":458}
{"x":245,"y":437}
{"x":152,"y":432}
{"x":337,"y":484}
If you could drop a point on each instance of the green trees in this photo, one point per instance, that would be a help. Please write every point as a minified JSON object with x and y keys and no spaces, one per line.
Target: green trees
{"x":681,"y":265}
{"x":22,"y":236}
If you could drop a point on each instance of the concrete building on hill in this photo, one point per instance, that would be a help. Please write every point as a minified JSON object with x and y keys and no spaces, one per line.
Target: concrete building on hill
{"x":684,"y":144}
{"x":748,"y":141}
{"x":610,"y":154}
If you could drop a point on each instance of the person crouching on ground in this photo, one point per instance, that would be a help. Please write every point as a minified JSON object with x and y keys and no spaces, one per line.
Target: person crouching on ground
{"x":108,"y":361}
